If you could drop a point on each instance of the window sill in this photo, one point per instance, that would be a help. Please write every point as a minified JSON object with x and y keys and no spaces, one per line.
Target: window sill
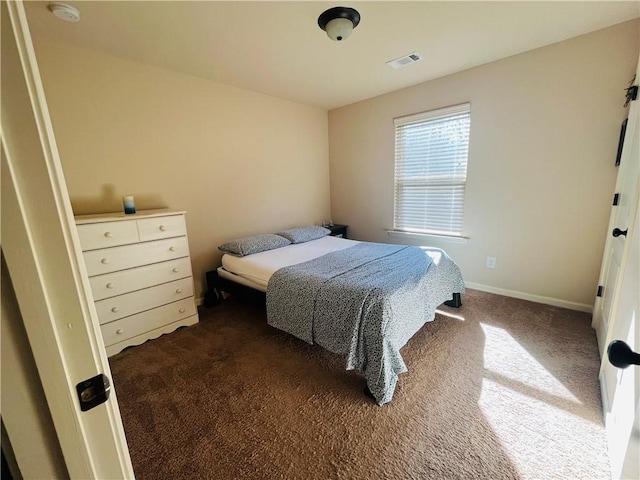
{"x":432,"y":236}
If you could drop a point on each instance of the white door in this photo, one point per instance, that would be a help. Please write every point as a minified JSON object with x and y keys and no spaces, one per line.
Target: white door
{"x":621,"y":216}
{"x":41,"y":248}
{"x":618,"y":310}
{"x":623,"y":385}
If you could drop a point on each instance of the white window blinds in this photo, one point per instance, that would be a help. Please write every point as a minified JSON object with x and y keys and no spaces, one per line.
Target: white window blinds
{"x":431,"y":170}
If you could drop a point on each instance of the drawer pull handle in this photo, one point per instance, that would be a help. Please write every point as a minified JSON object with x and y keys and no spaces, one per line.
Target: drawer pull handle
{"x":109,"y":285}
{"x":108,"y":234}
{"x":181,"y":310}
{"x":104,"y":260}
{"x":172,"y":249}
{"x":115,"y":309}
{"x":162,"y":228}
{"x":175,"y":270}
{"x":119,"y":331}
{"x":178,"y":290}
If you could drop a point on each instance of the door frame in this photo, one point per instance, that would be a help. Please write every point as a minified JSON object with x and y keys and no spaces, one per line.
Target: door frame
{"x":43,"y":256}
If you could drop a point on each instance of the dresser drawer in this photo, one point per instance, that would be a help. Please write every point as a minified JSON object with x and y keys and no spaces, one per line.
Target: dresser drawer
{"x":113,"y":308}
{"x":155,"y":333}
{"x":107,"y":234}
{"x":117,"y":283}
{"x":144,"y":322}
{"x":155,"y":228}
{"x":130,"y":256}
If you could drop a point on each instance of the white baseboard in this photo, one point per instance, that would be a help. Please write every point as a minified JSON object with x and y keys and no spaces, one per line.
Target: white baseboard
{"x":556,"y":302}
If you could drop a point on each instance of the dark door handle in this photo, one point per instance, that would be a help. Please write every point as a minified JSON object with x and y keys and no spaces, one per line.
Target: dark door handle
{"x":621,"y":356}
{"x":617,"y":232}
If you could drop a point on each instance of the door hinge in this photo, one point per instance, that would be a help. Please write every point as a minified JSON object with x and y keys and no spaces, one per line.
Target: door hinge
{"x":600,"y":290}
{"x":93,"y":391}
{"x":632,"y":94}
{"x":616,"y":199}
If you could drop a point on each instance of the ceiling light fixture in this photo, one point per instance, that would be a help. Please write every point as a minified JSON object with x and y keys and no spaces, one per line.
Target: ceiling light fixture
{"x":65,"y":12}
{"x":339,"y":22}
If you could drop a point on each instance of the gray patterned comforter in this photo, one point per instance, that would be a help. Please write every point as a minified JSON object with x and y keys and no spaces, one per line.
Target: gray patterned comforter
{"x":364,"y":302}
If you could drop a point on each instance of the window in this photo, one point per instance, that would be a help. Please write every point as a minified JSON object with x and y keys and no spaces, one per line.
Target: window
{"x":431,"y":170}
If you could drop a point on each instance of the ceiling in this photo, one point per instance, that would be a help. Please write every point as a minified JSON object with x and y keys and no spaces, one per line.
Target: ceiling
{"x":276,"y":48}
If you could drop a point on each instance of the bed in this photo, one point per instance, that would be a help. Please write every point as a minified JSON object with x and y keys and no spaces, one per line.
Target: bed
{"x":361,"y":300}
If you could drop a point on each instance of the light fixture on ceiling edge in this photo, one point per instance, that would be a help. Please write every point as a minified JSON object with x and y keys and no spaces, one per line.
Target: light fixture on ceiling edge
{"x":339,"y":22}
{"x":65,"y":12}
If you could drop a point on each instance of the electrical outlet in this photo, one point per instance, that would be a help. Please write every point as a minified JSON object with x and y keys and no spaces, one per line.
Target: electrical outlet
{"x":491,"y":262}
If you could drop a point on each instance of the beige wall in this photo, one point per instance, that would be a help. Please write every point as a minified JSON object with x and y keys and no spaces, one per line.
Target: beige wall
{"x":544,"y":133}
{"x":238,"y":162}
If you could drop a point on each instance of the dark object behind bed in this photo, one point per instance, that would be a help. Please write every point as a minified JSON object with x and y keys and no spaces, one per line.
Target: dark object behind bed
{"x":217,"y":284}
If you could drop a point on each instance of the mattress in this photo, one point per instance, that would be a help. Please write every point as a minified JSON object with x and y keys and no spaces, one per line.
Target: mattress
{"x":258,"y":268}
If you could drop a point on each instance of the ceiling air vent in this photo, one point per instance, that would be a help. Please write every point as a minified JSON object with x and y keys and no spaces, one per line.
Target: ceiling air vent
{"x":404,"y":60}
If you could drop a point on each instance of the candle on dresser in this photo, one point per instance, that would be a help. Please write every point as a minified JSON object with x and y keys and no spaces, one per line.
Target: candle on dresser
{"x":129,"y":205}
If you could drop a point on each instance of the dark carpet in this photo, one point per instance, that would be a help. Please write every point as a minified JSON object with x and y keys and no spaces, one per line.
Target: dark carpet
{"x":499,"y":389}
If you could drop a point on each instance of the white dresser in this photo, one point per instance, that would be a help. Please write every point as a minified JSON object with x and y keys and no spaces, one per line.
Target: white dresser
{"x":140,"y":274}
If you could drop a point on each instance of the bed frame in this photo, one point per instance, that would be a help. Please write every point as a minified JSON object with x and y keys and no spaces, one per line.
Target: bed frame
{"x":217,"y":284}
